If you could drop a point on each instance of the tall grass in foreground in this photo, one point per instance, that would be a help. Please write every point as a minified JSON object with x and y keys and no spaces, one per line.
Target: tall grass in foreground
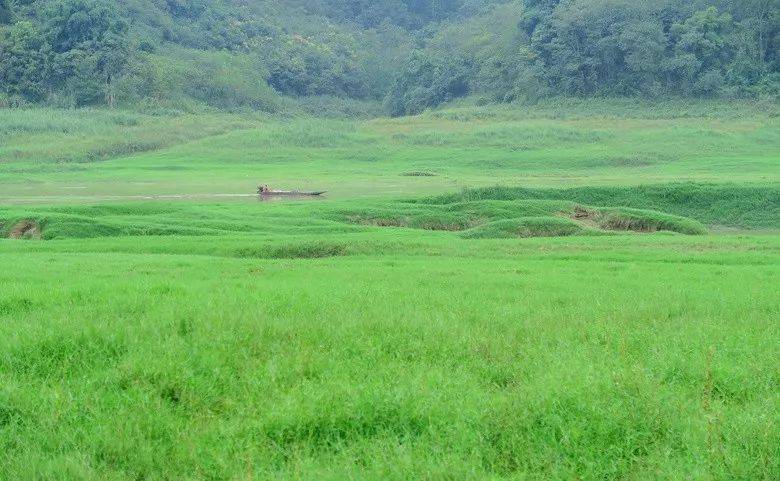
{"x":593,"y":358}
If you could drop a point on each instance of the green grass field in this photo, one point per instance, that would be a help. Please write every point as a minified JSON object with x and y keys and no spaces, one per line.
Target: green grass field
{"x":568,"y":291}
{"x":49,"y":156}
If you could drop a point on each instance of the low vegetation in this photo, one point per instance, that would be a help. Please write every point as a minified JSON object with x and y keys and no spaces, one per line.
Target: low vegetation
{"x":749,"y":206}
{"x":88,"y":156}
{"x":305,"y":351}
{"x":605,"y":313}
{"x":90,"y":135}
{"x":526,"y":227}
{"x":530,"y":218}
{"x":209,"y":220}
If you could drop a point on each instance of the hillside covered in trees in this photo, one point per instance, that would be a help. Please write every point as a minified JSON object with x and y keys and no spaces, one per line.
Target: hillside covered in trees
{"x":407,"y":54}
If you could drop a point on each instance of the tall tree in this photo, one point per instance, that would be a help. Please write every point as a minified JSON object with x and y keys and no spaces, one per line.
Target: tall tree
{"x":5,"y":13}
{"x":90,"y":45}
{"x":24,"y":62}
{"x":702,"y":50}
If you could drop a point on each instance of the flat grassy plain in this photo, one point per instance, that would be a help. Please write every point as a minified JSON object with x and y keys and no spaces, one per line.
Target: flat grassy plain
{"x":608,"y":313}
{"x":50,"y":156}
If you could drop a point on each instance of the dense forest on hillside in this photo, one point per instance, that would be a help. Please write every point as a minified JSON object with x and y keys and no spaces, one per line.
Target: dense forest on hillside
{"x":408,"y":54}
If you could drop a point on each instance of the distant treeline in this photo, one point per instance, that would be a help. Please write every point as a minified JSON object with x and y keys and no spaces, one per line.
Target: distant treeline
{"x":411,"y":54}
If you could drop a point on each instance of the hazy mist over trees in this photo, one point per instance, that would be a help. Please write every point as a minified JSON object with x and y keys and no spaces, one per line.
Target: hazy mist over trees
{"x":409,"y":54}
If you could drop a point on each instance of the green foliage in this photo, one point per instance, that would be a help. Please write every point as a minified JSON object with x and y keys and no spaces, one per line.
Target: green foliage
{"x":5,"y":13}
{"x":304,"y":66}
{"x":329,"y":106}
{"x":24,"y":62}
{"x":413,"y":54}
{"x":605,"y":46}
{"x":617,"y":47}
{"x":702,"y":51}
{"x":412,"y":14}
{"x":72,"y":55}
{"x":610,"y":47}
{"x":219,"y":79}
{"x":427,"y":81}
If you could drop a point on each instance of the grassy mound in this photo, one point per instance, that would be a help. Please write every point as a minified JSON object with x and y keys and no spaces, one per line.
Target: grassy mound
{"x":526,"y":227}
{"x":168,"y":219}
{"x":490,"y":218}
{"x":713,"y":204}
{"x":427,"y":218}
{"x":54,"y":225}
{"x":647,"y":221}
{"x":457,"y":216}
{"x":594,"y":222}
{"x":481,"y":218}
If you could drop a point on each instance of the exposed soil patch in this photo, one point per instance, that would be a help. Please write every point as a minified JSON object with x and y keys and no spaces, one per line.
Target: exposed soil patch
{"x":379,"y":221}
{"x":628,"y":224}
{"x":442,"y":226}
{"x":296,"y":250}
{"x":601,"y":221}
{"x":586,"y":217}
{"x":25,"y":229}
{"x":412,"y":223}
{"x":582,"y":213}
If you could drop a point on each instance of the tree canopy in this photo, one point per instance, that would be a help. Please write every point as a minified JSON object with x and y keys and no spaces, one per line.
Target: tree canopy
{"x":413,"y":54}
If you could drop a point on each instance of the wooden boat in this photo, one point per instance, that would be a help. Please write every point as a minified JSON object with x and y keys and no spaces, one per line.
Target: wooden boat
{"x":287,"y":193}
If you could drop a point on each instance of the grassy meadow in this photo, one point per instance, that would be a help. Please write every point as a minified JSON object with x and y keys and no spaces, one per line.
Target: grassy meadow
{"x":574,"y":290}
{"x":51,"y":156}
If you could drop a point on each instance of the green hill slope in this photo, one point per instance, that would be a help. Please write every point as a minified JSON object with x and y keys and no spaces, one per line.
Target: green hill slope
{"x":411,"y":54}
